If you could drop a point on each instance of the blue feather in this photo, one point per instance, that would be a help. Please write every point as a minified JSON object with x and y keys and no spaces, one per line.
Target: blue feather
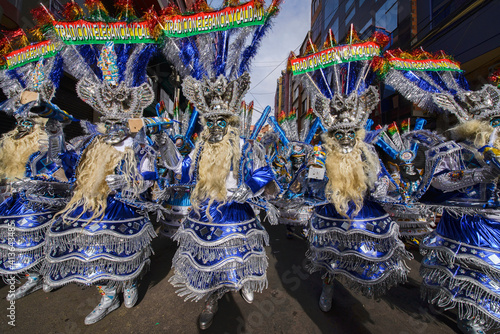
{"x":57,"y":70}
{"x":14,"y":75}
{"x":90,"y":56}
{"x":122,"y":55}
{"x":222,"y":52}
{"x":250,"y":52}
{"x":141,"y":63}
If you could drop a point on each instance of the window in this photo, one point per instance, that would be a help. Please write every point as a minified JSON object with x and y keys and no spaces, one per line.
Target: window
{"x":316,"y":29}
{"x":387,"y":16}
{"x":365,"y":27}
{"x":315,"y":4}
{"x":348,"y":19}
{"x":331,"y":7}
{"x":335,"y":28}
{"x":348,"y":5}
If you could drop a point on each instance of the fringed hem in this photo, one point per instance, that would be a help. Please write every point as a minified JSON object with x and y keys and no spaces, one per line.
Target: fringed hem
{"x":21,"y":257}
{"x":211,"y":251}
{"x":396,"y":271}
{"x":254,"y":283}
{"x":369,"y":289}
{"x":102,"y":270}
{"x":466,"y":309}
{"x":196,"y":284}
{"x":332,"y":254}
{"x":115,"y":243}
{"x":356,"y":235}
{"x":6,"y":229}
{"x":381,"y":243}
{"x":447,"y":255}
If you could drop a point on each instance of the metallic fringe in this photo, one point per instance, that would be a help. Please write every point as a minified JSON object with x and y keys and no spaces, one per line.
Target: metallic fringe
{"x":466,"y":309}
{"x":36,"y":252}
{"x":370,"y":289}
{"x":332,"y":254}
{"x":117,"y":243}
{"x":410,"y":91}
{"x":37,"y":233}
{"x":186,"y":273}
{"x":446,"y":255}
{"x":75,"y":266}
{"x":381,"y":242}
{"x":210,"y":251}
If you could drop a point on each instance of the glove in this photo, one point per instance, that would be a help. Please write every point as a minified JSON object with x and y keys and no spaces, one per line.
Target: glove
{"x":116,"y":182}
{"x":241,"y":194}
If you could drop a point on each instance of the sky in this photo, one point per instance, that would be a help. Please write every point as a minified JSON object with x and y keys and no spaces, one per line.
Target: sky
{"x":287,"y":34}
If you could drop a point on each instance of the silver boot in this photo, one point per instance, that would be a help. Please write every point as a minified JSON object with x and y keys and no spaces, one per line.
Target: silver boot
{"x":470,"y":326}
{"x":325,"y":300}
{"x":33,"y":283}
{"x":247,"y":295}
{"x":207,"y":315}
{"x":130,"y":296}
{"x":109,"y":302}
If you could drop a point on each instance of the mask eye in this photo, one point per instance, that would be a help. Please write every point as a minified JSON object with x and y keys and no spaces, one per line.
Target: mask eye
{"x":339,"y":135}
{"x":351,"y":134}
{"x":210,"y":125}
{"x":221,"y":123}
{"x":495,"y":122}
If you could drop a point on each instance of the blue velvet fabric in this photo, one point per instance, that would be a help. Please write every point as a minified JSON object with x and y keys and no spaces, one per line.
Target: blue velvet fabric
{"x":473,"y":230}
{"x":259,"y":178}
{"x":363,"y":248}
{"x":22,"y":229}
{"x":223,"y":252}
{"x":112,"y":248}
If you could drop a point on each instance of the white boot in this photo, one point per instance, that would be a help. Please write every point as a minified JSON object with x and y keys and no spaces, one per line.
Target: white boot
{"x":109,"y":302}
{"x":325,"y":300}
{"x":33,"y":283}
{"x":130,"y":296}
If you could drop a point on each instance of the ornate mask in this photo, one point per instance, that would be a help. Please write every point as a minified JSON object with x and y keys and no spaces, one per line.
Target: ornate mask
{"x":116,"y":131}
{"x":24,"y":126}
{"x":217,"y":128}
{"x":345,"y":138}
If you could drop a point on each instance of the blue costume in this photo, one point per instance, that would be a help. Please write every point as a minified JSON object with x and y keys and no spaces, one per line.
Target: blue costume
{"x":225,"y":250}
{"x":460,"y":266}
{"x":103,"y":234}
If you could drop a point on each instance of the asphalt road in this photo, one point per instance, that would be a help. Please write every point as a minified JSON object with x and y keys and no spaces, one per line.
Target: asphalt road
{"x":289,"y":305}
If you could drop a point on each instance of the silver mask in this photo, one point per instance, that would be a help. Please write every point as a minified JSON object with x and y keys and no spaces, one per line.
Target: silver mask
{"x":345,"y":138}
{"x":116,"y":131}
{"x":217,"y":128}
{"x":24,"y":127}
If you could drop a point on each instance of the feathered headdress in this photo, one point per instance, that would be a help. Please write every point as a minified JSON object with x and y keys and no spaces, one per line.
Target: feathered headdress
{"x":215,"y":64}
{"x":110,"y":97}
{"x":435,"y":82}
{"x":345,"y":98}
{"x":42,"y":76}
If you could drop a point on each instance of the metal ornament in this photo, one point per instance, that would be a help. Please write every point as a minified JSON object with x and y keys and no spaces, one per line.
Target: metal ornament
{"x":216,"y":96}
{"x":346,"y":112}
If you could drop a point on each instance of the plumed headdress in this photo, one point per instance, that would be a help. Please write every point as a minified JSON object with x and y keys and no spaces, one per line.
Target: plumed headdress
{"x":110,"y":97}
{"x":343,"y":96}
{"x":215,"y":64}
{"x":41,"y":76}
{"x":435,"y":82}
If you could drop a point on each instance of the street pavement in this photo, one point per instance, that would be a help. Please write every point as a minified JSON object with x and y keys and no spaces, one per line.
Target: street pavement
{"x":288,"y":305}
